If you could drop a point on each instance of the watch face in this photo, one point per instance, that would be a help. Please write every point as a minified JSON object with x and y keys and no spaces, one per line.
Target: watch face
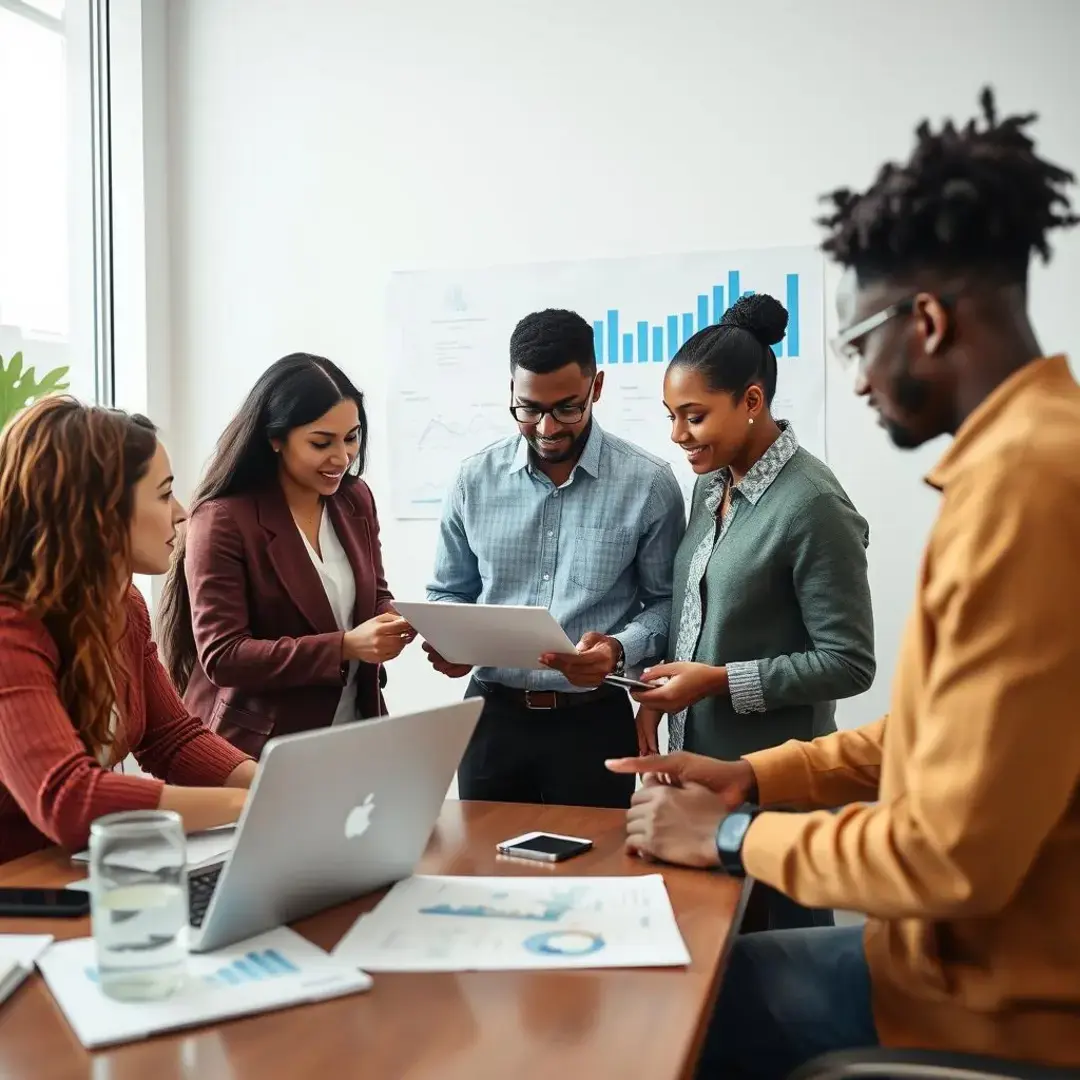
{"x":732,"y":831}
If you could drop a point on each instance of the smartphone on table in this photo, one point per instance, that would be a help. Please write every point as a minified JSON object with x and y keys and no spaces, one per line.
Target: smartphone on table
{"x":44,"y":903}
{"x":544,"y":847}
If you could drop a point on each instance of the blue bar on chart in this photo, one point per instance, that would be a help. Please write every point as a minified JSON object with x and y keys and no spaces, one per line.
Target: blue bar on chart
{"x":249,"y":970}
{"x":598,"y":341}
{"x":628,"y":348}
{"x":702,"y":312}
{"x":687,"y":326}
{"x":733,"y":286}
{"x":717,"y":302}
{"x":273,"y":963}
{"x":672,"y":335}
{"x":793,"y":314}
{"x":613,"y":337}
{"x":643,"y":343}
{"x":658,"y":354}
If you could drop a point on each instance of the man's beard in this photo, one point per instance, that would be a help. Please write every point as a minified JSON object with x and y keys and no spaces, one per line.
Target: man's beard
{"x":562,"y":451}
{"x":910,"y":395}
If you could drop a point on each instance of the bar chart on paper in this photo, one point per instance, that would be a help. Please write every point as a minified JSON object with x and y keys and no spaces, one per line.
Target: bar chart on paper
{"x":252,"y":967}
{"x":271,"y":971}
{"x":658,"y":344}
{"x":449,"y":339}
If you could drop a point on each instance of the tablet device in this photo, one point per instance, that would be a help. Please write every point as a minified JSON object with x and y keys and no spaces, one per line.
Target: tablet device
{"x":487,"y":635}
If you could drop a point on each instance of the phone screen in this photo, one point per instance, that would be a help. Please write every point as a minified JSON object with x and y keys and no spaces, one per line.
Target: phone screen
{"x":46,"y":903}
{"x":558,"y":846}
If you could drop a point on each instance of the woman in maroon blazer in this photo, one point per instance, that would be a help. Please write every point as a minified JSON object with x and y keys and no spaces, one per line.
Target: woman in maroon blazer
{"x":276,"y":617}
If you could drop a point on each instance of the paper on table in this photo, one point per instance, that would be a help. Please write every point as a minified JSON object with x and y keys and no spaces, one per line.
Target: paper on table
{"x":18,"y":953}
{"x":271,"y":971}
{"x":504,"y":924}
{"x":24,"y":948}
{"x":203,"y":848}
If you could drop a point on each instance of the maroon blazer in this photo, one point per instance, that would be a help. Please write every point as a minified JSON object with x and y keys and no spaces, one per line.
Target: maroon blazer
{"x":268,"y":645}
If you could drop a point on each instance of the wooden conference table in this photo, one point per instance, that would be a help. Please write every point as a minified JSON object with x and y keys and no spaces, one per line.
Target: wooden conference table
{"x":471,"y":1026}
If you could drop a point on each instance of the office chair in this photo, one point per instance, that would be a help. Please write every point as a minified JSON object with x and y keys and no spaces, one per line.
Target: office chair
{"x":881,"y":1064}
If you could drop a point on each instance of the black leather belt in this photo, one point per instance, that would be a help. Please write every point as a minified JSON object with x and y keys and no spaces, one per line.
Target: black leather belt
{"x":547,"y":699}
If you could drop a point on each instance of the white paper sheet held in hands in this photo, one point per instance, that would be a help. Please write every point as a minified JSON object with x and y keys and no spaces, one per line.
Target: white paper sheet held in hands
{"x":508,"y":924}
{"x":487,"y":635}
{"x":271,"y":971}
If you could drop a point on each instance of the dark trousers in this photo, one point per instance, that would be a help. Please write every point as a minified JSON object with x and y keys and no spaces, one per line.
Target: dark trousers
{"x":549,"y":755}
{"x":768,"y":909}
{"x":788,"y":996}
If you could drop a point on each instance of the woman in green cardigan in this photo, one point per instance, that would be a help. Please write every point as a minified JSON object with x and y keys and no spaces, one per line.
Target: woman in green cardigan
{"x":771,"y":619}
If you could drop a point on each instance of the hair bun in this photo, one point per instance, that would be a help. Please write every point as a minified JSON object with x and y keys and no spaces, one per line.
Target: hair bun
{"x":760,"y":314}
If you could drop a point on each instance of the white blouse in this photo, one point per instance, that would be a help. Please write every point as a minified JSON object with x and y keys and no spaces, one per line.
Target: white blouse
{"x":336,"y":575}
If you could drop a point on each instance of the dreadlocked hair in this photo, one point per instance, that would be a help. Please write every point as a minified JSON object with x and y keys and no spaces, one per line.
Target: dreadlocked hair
{"x":971,"y":199}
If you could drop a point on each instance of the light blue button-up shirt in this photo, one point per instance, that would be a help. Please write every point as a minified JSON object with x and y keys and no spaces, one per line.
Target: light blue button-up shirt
{"x":598,"y":551}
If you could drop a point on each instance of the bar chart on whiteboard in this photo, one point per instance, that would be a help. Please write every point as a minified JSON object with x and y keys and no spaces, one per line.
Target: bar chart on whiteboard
{"x":450,"y":330}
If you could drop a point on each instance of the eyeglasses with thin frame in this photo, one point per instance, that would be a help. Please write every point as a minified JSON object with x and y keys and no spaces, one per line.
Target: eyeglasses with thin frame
{"x":563,"y":414}
{"x":845,"y":344}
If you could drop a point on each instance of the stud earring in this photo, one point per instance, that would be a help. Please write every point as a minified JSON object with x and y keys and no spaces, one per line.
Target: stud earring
{"x":751,"y":419}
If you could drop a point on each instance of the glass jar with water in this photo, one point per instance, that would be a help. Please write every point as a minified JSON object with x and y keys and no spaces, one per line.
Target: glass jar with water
{"x":139,"y":903}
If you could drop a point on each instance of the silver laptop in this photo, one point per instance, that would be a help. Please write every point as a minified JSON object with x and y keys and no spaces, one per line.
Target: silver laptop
{"x":333,"y":814}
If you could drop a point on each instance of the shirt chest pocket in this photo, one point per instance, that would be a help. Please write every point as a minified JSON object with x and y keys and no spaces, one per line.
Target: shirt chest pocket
{"x":599,"y":557}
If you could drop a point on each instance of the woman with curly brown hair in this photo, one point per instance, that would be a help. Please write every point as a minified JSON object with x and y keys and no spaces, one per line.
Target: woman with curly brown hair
{"x":86,"y":502}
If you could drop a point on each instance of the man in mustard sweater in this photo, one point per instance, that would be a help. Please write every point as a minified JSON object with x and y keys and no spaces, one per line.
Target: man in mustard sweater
{"x":958,"y":833}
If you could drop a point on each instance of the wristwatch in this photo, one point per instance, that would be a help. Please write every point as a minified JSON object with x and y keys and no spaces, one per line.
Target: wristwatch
{"x":620,"y":664}
{"x":730,"y":834}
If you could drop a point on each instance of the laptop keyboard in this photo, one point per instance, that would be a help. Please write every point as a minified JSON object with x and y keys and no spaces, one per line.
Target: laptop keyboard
{"x":201,"y":885}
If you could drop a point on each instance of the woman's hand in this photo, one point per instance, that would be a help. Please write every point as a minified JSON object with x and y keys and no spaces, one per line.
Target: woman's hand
{"x":648,"y":724}
{"x":378,"y":640}
{"x":684,"y":684}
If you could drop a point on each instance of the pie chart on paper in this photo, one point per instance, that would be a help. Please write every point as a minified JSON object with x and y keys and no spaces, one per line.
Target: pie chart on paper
{"x":565,"y":943}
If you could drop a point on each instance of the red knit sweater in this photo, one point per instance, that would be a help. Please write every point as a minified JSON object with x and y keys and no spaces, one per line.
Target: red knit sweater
{"x":51,"y":789}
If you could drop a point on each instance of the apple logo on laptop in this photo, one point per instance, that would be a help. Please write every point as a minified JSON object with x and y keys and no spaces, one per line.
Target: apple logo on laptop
{"x":358,"y":820}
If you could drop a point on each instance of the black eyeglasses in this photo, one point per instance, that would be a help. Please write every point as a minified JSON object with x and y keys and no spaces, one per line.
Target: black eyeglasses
{"x":562,"y":414}
{"x":844,"y":344}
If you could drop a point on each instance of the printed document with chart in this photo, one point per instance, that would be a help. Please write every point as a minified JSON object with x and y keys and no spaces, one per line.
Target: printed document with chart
{"x":505,"y":924}
{"x":275,"y":970}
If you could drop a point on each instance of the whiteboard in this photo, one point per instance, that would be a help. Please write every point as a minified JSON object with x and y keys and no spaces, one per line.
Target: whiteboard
{"x":449,"y":350}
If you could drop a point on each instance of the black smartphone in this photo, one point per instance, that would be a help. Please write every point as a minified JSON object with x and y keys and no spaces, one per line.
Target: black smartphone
{"x":630,"y":684}
{"x":544,"y":847}
{"x":44,"y":903}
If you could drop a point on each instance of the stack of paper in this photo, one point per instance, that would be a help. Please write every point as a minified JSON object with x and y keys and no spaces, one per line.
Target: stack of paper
{"x":502,"y":923}
{"x":271,"y":971}
{"x":18,"y":953}
{"x":203,"y":849}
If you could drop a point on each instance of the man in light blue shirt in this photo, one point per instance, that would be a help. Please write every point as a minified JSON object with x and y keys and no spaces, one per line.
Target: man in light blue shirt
{"x":568,"y":517}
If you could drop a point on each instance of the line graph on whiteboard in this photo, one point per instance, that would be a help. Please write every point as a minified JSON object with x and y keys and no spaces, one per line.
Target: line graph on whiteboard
{"x":449,"y":335}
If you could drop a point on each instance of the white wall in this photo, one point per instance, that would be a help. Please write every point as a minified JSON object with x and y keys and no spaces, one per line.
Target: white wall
{"x":316,"y":145}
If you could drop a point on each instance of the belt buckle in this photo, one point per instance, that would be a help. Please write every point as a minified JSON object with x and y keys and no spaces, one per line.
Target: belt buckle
{"x":539,"y":708}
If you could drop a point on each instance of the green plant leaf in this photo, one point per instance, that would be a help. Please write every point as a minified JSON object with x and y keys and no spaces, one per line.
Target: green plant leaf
{"x":52,"y":382}
{"x":19,"y":386}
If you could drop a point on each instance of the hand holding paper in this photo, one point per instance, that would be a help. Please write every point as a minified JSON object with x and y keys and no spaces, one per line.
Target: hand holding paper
{"x":595,"y":657}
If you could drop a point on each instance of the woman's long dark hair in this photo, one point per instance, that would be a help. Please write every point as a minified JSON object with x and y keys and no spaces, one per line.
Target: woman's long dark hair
{"x":293,"y":392}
